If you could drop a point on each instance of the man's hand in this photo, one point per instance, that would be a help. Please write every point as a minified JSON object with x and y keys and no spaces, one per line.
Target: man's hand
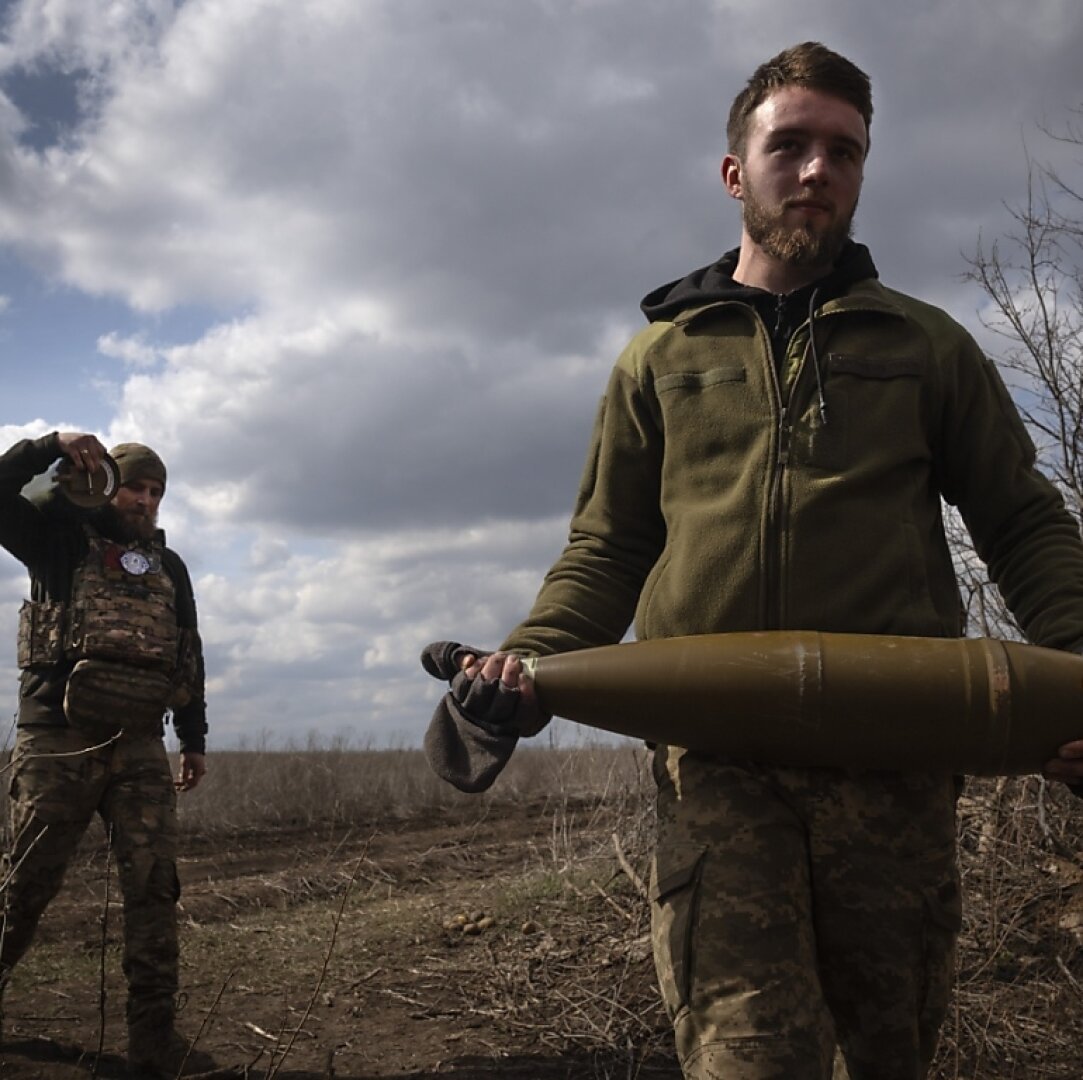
{"x":192,"y":768}
{"x":508,"y":669}
{"x":1067,"y":765}
{"x":84,"y":451}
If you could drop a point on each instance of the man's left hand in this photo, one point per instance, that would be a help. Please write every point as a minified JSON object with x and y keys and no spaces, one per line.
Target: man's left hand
{"x":1067,"y":765}
{"x":192,"y":768}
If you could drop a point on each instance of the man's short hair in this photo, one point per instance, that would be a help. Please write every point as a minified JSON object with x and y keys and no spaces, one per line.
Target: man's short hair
{"x":811,"y":65}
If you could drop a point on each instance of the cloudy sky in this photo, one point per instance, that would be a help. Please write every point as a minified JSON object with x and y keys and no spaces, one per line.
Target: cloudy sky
{"x":359,"y":269}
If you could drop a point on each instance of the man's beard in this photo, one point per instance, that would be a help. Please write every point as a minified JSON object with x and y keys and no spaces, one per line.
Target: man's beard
{"x":795,"y":245}
{"x":133,"y":526}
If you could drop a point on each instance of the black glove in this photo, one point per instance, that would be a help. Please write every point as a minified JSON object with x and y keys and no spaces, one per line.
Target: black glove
{"x":488,"y":703}
{"x":463,"y":749}
{"x":441,"y":658}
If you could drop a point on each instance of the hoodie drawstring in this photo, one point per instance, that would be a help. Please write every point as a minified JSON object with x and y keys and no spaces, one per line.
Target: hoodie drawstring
{"x":816,"y":355}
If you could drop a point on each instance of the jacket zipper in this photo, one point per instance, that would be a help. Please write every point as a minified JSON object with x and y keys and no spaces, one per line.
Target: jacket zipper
{"x":777,"y":508}
{"x":771,"y":601}
{"x":776,"y":526}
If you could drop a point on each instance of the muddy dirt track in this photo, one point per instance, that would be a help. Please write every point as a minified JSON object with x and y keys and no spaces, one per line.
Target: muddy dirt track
{"x":341,"y":954}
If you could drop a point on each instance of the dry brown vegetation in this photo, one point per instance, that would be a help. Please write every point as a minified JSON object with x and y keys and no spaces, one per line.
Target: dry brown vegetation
{"x":326,"y":892}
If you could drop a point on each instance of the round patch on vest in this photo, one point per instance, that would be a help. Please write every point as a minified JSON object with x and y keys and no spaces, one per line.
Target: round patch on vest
{"x":135,"y":562}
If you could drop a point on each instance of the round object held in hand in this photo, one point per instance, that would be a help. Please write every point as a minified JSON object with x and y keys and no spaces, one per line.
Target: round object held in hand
{"x":90,"y":489}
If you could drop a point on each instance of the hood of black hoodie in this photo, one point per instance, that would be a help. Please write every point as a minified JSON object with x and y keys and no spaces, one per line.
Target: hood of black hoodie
{"x":713,"y":283}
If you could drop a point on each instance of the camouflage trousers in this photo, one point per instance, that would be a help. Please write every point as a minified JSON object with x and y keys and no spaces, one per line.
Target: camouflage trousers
{"x":796,"y":910}
{"x":55,"y":792}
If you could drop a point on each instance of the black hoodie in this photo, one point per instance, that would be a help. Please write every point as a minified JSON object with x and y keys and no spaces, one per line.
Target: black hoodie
{"x":781,"y":314}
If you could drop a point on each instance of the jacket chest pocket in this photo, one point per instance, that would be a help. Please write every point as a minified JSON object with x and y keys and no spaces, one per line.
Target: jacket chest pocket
{"x":704,"y":412}
{"x":874,"y":415}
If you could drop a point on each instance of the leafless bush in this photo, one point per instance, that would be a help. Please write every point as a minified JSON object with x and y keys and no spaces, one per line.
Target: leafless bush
{"x":1020,"y":968}
{"x":1019,"y":986}
{"x":580,"y":976}
{"x":586,"y":979}
{"x":1032,"y":278}
{"x":340,"y":786}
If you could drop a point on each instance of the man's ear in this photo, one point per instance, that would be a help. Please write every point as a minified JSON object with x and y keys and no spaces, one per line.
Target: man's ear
{"x":731,"y":176}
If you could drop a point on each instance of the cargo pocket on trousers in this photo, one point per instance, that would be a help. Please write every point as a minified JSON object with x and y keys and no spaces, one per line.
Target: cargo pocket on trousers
{"x":943,"y":921}
{"x":45,"y":784}
{"x":674,"y":893}
{"x":163,"y":883}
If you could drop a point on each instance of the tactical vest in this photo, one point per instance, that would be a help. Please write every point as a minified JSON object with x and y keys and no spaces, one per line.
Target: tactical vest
{"x":131,"y":661}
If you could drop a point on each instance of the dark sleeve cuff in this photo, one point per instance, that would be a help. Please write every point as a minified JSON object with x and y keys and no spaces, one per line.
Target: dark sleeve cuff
{"x":191,"y":728}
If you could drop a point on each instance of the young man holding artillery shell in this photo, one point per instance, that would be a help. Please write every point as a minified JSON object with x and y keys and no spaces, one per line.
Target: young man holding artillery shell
{"x":107,"y":644}
{"x":781,"y":406}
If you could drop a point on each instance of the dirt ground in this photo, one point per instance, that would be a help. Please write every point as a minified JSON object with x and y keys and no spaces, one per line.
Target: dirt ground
{"x":341,"y":954}
{"x":312,"y":953}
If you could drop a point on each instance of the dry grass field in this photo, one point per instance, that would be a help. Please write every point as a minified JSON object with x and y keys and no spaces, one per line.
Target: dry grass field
{"x":346,"y":915}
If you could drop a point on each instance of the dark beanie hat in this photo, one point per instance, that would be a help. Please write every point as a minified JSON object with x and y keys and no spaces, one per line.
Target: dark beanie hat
{"x":136,"y":461}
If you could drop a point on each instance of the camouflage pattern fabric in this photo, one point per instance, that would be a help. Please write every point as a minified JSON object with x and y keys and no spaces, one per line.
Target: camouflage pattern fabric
{"x":123,"y":606}
{"x":793,"y":909}
{"x":103,"y":699}
{"x":56,"y":789}
{"x":41,"y":632}
{"x":189,"y":650}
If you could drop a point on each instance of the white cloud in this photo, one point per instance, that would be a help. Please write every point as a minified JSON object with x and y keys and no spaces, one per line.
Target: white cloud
{"x":81,"y":34}
{"x":422,"y":230}
{"x":271,"y":155}
{"x":328,"y":425}
{"x":134,"y":351}
{"x":11,"y":433}
{"x":348,"y":626}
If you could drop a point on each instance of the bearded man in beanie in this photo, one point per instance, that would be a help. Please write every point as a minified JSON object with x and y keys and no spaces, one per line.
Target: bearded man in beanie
{"x":108,"y":644}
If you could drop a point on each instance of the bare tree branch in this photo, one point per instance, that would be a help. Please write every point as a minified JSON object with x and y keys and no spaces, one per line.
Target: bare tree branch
{"x":1032,"y":276}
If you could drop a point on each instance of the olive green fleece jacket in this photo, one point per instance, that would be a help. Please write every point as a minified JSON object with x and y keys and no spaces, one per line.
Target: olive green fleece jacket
{"x":716,"y":497}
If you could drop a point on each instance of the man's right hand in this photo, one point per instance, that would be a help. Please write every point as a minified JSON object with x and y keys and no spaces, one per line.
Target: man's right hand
{"x":506,"y":668}
{"x":490,"y":690}
{"x":191,"y":770}
{"x":83,"y":450}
